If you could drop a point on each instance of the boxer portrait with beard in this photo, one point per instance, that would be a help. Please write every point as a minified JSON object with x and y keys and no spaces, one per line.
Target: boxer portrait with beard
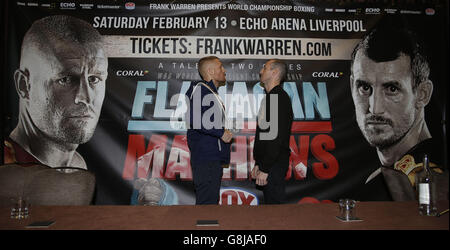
{"x":390,"y":87}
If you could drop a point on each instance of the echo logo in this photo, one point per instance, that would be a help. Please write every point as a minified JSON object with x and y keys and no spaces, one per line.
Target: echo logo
{"x":373,"y":10}
{"x":67,"y":5}
{"x":236,"y":196}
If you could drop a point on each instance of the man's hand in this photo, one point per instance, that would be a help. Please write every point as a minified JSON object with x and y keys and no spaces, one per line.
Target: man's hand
{"x":227,"y":136}
{"x":255,"y":172}
{"x":261,"y":178}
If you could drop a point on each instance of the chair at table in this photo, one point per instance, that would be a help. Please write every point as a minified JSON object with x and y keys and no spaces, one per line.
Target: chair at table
{"x":43,"y":185}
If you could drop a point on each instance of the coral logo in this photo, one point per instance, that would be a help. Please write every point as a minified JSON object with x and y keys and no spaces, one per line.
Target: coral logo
{"x":130,"y":6}
{"x":132,"y":72}
{"x":327,"y":74}
{"x":237,"y":196}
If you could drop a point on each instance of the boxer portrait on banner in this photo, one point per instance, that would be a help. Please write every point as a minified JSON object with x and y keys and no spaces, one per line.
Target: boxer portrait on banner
{"x":390,"y":87}
{"x":61,"y":85}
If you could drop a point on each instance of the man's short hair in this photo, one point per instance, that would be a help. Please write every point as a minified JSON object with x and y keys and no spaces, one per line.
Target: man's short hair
{"x":388,"y":40}
{"x":281,"y":66}
{"x":45,"y":31}
{"x":202,"y":64}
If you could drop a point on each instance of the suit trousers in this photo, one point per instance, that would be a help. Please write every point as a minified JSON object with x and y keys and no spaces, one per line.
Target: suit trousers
{"x":275,"y":189}
{"x":207,"y":178}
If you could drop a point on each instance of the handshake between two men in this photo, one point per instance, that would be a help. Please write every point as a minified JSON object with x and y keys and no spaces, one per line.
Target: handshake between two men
{"x":261,"y":177}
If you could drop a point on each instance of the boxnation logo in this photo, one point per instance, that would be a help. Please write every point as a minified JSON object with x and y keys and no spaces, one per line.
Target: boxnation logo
{"x":237,"y":196}
{"x":430,"y":11}
{"x":130,"y":6}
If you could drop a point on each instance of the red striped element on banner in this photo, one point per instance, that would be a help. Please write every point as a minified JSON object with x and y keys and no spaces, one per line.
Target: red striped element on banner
{"x":297,"y":127}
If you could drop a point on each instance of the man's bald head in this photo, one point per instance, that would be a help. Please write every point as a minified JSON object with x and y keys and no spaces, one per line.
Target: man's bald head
{"x":280,"y":66}
{"x":62,"y":79}
{"x":204,"y":63}
{"x":46,"y":33}
{"x":211,"y":69}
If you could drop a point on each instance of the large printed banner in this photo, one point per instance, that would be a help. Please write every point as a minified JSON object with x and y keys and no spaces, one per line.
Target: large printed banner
{"x":152,"y":51}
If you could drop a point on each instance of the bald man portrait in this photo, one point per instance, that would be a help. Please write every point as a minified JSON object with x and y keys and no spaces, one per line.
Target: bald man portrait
{"x":61,"y":83}
{"x":61,"y":86}
{"x":208,"y":140}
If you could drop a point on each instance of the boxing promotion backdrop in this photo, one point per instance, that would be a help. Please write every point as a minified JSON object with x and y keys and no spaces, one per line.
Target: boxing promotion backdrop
{"x":153,"y":49}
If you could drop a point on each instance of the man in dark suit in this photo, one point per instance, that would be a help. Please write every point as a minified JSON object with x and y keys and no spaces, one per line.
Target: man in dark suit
{"x":271,"y":149}
{"x":208,"y":140}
